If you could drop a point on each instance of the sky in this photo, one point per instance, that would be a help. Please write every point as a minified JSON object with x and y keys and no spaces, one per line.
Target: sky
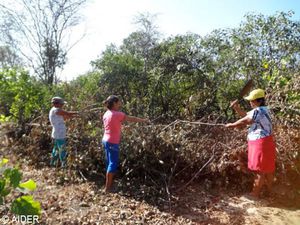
{"x":110,"y":21}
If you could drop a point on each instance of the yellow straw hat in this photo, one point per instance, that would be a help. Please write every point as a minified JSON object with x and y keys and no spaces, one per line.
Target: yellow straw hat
{"x":255,"y":94}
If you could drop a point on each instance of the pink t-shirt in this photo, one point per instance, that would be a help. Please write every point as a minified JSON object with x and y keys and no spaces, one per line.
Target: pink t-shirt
{"x":112,"y":121}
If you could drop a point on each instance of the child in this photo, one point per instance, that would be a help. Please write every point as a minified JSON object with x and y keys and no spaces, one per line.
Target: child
{"x":112,"y":121}
{"x":261,"y":146}
{"x":57,"y":116}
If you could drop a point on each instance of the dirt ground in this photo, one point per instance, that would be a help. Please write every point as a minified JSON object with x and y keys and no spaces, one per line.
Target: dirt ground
{"x":64,"y":202}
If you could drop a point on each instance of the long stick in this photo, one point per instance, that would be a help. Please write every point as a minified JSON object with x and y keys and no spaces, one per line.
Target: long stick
{"x":202,"y":123}
{"x":198,"y":172}
{"x":173,"y":123}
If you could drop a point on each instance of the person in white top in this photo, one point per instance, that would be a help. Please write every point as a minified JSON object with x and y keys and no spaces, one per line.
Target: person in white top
{"x":57,"y":118}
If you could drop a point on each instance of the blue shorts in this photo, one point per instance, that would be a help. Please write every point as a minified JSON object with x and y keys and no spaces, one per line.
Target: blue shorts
{"x":112,"y":156}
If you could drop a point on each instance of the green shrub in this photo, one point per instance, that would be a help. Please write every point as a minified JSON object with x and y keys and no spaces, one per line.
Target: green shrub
{"x":10,"y":181}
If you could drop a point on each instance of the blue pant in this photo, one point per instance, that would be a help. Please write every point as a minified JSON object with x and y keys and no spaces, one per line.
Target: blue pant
{"x":59,"y":152}
{"x":112,"y":156}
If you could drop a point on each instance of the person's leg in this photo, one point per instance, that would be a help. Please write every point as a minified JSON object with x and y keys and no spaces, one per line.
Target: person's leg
{"x":109,"y":181}
{"x":62,"y":152}
{"x":113,"y":160}
{"x":54,"y":154}
{"x":106,"y":150}
{"x":258,"y":184}
{"x":269,"y":181}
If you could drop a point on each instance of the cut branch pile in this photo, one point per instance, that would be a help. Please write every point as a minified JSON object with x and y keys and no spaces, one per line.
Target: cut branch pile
{"x":160,"y":160}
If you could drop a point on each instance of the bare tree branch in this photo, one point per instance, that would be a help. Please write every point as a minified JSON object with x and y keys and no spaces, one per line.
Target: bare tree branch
{"x":38,"y":32}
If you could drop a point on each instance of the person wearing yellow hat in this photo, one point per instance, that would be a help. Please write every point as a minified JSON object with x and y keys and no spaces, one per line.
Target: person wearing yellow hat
{"x":261,"y":145}
{"x":255,"y":94}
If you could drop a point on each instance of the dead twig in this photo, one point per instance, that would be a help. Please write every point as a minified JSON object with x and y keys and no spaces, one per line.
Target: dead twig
{"x":83,"y":177}
{"x":201,"y":123}
{"x":199,"y":171}
{"x":173,"y":123}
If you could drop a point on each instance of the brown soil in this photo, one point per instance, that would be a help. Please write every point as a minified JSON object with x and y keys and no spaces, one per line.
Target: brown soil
{"x":65,"y":202}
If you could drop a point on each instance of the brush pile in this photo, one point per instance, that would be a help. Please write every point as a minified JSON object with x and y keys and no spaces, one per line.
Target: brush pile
{"x":159,"y":160}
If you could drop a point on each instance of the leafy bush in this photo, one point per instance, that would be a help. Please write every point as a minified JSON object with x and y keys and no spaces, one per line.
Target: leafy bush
{"x":10,"y":180}
{"x":22,"y":97}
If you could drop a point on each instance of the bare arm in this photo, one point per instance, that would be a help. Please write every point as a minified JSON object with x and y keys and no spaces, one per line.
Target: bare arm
{"x":237,"y":108}
{"x":136,"y":119}
{"x":240,"y":123}
{"x":66,"y":114}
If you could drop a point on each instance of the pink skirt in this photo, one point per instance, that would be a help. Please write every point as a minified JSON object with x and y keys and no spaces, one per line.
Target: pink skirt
{"x":261,"y":155}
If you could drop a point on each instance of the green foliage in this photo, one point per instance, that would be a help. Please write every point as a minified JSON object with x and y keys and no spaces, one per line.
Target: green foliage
{"x":179,"y":76}
{"x":29,"y":185}
{"x":121,"y":74}
{"x":180,"y":72}
{"x":188,"y":75}
{"x":13,"y":176}
{"x":21,"y":97}
{"x":4,"y":118}
{"x":26,"y":205}
{"x":10,"y":180}
{"x":3,"y":162}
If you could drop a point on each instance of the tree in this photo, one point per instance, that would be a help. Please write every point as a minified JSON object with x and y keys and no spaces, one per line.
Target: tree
{"x":181,"y":70}
{"x":22,"y":97}
{"x":145,"y":38}
{"x":268,"y":44}
{"x":202,"y":75}
{"x":8,"y":58}
{"x":40,"y":31}
{"x":263,"y":48}
{"x":121,"y":74}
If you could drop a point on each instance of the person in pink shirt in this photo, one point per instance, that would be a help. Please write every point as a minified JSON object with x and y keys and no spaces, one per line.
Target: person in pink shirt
{"x":112,"y":121}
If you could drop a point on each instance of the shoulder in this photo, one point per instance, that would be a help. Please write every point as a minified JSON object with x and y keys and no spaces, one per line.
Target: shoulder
{"x":113,"y":112}
{"x":107,"y":114}
{"x":264,"y":109}
{"x":54,"y":110}
{"x":119,"y":114}
{"x":254,"y":113}
{"x":260,"y":113}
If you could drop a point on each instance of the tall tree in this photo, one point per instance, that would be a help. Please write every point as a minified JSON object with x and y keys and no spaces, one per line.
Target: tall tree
{"x":144,"y":39}
{"x":8,"y":58}
{"x":267,"y":44}
{"x":40,"y":30}
{"x":121,"y":74}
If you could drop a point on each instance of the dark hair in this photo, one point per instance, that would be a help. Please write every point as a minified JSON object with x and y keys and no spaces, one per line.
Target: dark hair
{"x":262,"y":101}
{"x":109,"y":102}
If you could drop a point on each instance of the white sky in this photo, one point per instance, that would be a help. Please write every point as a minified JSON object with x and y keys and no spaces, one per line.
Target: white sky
{"x":110,"y":21}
